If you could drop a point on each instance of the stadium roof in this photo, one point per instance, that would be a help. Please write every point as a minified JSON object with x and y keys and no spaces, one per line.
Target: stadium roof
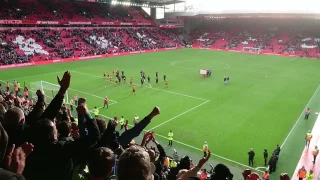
{"x":150,"y":2}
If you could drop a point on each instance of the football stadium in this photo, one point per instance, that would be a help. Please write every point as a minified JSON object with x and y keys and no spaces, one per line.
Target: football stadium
{"x":159,"y":90}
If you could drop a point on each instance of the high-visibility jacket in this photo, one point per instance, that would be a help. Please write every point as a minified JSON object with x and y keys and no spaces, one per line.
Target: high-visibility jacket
{"x":96,"y":112}
{"x":166,"y":162}
{"x":302,"y":173}
{"x":121,"y":121}
{"x":205,"y":148}
{"x":170,"y":136}
{"x":309,"y":136}
{"x":18,"y":85}
{"x":309,"y":176}
{"x":315,"y":152}
{"x":132,"y":142}
{"x":173,"y":164}
{"x":266,"y":176}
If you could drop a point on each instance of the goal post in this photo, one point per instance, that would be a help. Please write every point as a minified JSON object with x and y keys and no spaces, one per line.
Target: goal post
{"x":251,"y":50}
{"x":50,"y":90}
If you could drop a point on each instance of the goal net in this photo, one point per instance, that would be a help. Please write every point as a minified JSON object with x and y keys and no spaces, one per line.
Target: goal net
{"x":50,"y":90}
{"x":251,"y":50}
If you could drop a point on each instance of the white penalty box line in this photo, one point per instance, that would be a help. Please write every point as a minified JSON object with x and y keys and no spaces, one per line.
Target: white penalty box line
{"x":169,"y":120}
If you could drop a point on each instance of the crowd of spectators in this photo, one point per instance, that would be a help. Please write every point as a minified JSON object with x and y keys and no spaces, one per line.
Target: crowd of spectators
{"x":68,"y":43}
{"x":45,"y":141}
{"x":267,"y":39}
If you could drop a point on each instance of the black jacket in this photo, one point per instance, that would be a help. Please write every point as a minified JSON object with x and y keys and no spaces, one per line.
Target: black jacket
{"x":7,"y":175}
{"x":160,"y":161}
{"x":54,"y":160}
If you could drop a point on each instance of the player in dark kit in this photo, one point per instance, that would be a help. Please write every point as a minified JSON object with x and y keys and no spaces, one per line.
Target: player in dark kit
{"x":251,"y":157}
{"x":156,"y":74}
{"x":157,"y":80}
{"x":164,"y":77}
{"x":148,"y":79}
{"x":142,"y":81}
{"x":265,"y":156}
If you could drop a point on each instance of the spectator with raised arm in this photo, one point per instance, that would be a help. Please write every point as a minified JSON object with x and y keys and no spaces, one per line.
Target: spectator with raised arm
{"x":53,"y":159}
{"x":185,"y":174}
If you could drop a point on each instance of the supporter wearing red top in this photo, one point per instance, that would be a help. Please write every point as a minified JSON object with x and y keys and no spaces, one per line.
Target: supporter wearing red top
{"x":203,"y":175}
{"x":106,"y":102}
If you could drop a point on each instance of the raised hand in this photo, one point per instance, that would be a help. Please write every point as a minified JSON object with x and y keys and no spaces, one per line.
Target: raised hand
{"x":146,"y":138}
{"x":9,"y":155}
{"x":154,"y":112}
{"x":65,"y":81}
{"x":39,"y":92}
{"x":18,"y":161}
{"x":27,"y":148}
{"x":204,"y":160}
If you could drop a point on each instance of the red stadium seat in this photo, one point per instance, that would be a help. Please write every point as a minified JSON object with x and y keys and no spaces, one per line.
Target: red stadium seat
{"x":284,"y":176}
{"x":246,"y":173}
{"x":253,"y":176}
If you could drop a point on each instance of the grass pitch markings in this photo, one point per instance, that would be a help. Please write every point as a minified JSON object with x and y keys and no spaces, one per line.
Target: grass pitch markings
{"x":148,"y":87}
{"x":198,"y":149}
{"x":285,"y":140}
{"x":165,"y":122}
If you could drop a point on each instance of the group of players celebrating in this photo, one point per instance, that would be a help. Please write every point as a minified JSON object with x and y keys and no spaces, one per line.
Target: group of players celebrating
{"x":118,"y":78}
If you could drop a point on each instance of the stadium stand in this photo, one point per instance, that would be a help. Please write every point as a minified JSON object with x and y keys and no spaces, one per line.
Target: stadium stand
{"x":254,"y":36}
{"x":50,"y":44}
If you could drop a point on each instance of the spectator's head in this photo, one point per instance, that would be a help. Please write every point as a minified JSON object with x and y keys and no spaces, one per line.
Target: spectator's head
{"x":185,"y":163}
{"x":134,"y":163}
{"x":64,"y":129}
{"x":221,"y":171}
{"x":44,"y":132}
{"x":101,"y":124}
{"x":101,"y":162}
{"x":14,"y":117}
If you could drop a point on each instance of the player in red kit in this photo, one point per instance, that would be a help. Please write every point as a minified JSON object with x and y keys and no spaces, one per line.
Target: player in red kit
{"x":106,"y":102}
{"x":126,"y":125}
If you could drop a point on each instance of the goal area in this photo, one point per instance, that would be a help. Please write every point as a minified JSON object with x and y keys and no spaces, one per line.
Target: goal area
{"x":251,"y":50}
{"x":50,"y":90}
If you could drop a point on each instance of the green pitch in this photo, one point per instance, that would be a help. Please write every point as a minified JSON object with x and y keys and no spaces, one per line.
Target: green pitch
{"x":256,"y":110}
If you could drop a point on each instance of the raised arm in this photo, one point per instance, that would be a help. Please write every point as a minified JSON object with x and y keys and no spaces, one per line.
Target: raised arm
{"x":54,"y":107}
{"x":127,"y":136}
